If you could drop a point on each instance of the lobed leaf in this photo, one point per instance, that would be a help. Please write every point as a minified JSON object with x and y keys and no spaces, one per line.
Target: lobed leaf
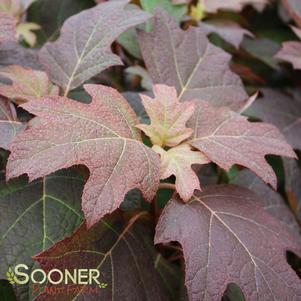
{"x":187,"y":61}
{"x":34,"y":216}
{"x":100,"y":135}
{"x":83,"y":48}
{"x":118,"y":252}
{"x":27,"y":84}
{"x":282,"y":111}
{"x":168,"y":117}
{"x":227,"y":238}
{"x":177,"y":161}
{"x":228,"y":138}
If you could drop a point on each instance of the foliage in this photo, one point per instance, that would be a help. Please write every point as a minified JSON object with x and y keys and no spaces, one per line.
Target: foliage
{"x":124,"y":123}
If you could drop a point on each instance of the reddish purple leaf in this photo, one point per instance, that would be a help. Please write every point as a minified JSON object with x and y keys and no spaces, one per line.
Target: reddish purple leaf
{"x":271,"y":201}
{"x":282,"y":111}
{"x":84,"y":47}
{"x":124,"y":257}
{"x":228,"y":138}
{"x":101,"y":135}
{"x":187,"y":61}
{"x":227,"y":238}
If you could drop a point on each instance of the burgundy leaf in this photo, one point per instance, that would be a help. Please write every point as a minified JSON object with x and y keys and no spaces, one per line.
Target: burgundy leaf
{"x":84,"y":46}
{"x":123,"y":255}
{"x":271,"y":201}
{"x":228,"y":138}
{"x":227,"y":238}
{"x":9,"y":126}
{"x":187,"y":61}
{"x":282,"y":111}
{"x":100,"y":135}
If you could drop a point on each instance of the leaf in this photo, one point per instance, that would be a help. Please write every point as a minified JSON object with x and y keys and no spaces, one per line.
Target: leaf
{"x":34,"y":216}
{"x":9,"y":126}
{"x":230,"y":31}
{"x":118,"y":252}
{"x":228,"y":138}
{"x":294,"y":8}
{"x":26,"y":32}
{"x":27,"y":84}
{"x":7,"y":28}
{"x":263,"y":49}
{"x":187,"y":61}
{"x":212,"y":6}
{"x":83,"y":48}
{"x":282,"y":111}
{"x":271,"y":201}
{"x":177,"y":161}
{"x":168,"y":117}
{"x":227,"y":238}
{"x":291,"y":51}
{"x":100,"y":135}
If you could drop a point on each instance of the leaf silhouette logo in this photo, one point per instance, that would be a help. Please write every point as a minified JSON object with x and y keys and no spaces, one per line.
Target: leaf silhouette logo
{"x":11,"y":276}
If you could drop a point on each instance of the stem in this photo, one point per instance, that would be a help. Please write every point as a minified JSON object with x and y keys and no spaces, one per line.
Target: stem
{"x":167,"y":186}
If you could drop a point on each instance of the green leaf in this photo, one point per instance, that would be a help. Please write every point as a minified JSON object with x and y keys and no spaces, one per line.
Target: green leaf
{"x":36,"y":215}
{"x":176,"y":11}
